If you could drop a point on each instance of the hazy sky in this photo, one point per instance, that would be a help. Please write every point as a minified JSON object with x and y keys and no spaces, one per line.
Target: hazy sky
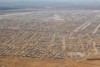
{"x":20,"y":3}
{"x":50,"y":0}
{"x":67,"y":1}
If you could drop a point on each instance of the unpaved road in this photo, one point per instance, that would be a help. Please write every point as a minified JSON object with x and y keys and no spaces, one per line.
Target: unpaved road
{"x":86,"y":24}
{"x":96,"y":29}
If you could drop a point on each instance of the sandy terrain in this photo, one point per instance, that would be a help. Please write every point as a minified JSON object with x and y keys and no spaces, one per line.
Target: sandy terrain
{"x":64,"y":37}
{"x":29,"y":62}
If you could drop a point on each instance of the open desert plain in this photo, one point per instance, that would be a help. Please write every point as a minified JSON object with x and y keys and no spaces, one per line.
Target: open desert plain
{"x":52,"y":36}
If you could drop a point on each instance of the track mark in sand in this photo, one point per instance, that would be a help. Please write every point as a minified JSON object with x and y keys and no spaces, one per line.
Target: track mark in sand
{"x":85,"y":25}
{"x":63,"y":42}
{"x":52,"y":41}
{"x":76,"y":30}
{"x":96,"y":29}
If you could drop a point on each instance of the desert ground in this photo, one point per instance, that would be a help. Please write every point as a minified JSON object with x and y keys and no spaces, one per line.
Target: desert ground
{"x":29,"y":62}
{"x":54,"y":38}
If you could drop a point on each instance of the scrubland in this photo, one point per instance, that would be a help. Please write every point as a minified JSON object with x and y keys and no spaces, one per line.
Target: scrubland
{"x":51,"y":34}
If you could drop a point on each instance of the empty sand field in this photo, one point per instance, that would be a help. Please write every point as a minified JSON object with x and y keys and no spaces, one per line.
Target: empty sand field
{"x":29,"y":62}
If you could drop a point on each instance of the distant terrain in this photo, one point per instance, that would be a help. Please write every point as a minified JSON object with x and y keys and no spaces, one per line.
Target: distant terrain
{"x":50,"y":34}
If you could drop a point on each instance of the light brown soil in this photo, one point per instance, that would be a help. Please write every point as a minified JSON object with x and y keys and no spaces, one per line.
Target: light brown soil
{"x":29,"y":62}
